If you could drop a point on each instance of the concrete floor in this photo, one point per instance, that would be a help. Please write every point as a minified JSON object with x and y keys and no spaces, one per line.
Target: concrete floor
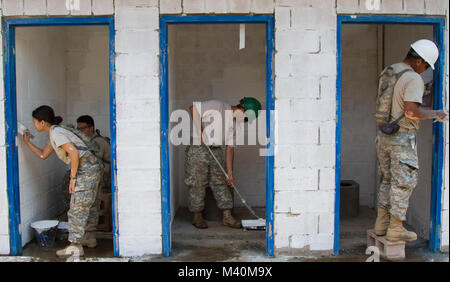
{"x":220,"y":243}
{"x":103,"y":250}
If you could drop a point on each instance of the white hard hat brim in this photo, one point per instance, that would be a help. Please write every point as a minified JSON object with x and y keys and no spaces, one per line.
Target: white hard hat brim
{"x":430,"y":64}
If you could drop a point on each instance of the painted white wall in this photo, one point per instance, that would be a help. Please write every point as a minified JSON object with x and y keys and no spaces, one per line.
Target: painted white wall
{"x":41,"y":80}
{"x":209,"y":65}
{"x":305,"y":95}
{"x":138,"y":127}
{"x":4,"y":216}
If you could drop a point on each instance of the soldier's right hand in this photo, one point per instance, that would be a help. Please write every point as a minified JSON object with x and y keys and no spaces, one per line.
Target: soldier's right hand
{"x":205,"y":140}
{"x":442,"y":116}
{"x":26,"y":136}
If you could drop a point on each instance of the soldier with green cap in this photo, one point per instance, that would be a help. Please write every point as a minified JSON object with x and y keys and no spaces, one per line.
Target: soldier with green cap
{"x":215,"y":125}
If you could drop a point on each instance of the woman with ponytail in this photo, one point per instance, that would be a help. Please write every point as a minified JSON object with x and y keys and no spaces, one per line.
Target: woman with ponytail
{"x":85,"y":173}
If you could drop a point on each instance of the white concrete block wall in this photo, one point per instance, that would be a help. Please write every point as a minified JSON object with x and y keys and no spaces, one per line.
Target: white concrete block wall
{"x":207,"y":64}
{"x":301,"y":100}
{"x":137,"y":95}
{"x":359,"y":85}
{"x":392,"y":7}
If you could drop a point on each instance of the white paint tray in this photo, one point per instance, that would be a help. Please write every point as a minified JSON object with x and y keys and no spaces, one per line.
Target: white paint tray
{"x":254,"y":224}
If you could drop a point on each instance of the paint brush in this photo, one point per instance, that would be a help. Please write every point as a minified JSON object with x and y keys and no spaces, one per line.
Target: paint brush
{"x":22,"y":129}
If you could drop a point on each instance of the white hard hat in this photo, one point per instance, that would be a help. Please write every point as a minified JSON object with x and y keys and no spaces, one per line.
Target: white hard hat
{"x":427,"y":50}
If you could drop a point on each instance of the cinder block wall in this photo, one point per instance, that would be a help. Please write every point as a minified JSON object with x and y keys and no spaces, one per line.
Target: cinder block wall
{"x":138,"y":131}
{"x":305,"y":93}
{"x":40,"y":80}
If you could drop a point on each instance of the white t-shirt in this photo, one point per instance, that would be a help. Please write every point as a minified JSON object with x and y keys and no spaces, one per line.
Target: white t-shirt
{"x":410,"y":88}
{"x":217,"y":122}
{"x":59,"y":136}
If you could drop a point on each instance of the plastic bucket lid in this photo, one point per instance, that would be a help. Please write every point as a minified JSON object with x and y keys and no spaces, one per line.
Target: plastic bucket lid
{"x":44,"y":225}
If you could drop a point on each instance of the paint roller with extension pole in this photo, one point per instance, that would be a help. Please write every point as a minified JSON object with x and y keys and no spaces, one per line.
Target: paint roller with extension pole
{"x":259,"y":223}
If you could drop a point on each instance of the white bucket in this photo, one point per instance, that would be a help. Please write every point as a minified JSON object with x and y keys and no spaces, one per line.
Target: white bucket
{"x":45,"y":231}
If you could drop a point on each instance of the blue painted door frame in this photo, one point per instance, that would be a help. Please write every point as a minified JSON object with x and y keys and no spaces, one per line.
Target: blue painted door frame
{"x":438,"y":103}
{"x":9,"y":25}
{"x":164,"y":89}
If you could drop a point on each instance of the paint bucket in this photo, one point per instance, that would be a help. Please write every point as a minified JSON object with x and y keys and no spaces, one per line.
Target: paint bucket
{"x":45,"y":232}
{"x":62,"y":232}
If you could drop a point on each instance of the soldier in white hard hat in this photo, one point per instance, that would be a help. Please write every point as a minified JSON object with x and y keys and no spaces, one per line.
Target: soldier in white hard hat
{"x":396,"y":138}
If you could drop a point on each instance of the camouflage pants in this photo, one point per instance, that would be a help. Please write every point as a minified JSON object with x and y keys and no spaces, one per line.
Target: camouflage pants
{"x":65,"y":195}
{"x":104,"y":186}
{"x":202,"y":171}
{"x":83,"y":212}
{"x":399,"y":166}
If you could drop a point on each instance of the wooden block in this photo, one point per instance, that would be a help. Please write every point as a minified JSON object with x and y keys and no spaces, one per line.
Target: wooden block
{"x":394,"y":251}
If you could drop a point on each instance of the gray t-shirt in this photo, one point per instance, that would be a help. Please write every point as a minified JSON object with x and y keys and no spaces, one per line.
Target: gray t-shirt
{"x":410,"y":88}
{"x":59,"y":136}
{"x":211,"y":113}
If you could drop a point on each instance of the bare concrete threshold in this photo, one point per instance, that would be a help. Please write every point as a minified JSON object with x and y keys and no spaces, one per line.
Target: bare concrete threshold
{"x":224,"y":244}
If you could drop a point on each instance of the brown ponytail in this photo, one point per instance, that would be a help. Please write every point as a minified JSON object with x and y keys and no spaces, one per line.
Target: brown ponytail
{"x":46,"y":113}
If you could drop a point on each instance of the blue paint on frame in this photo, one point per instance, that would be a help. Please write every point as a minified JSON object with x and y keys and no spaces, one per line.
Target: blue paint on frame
{"x":9,"y":25}
{"x":165,"y":158}
{"x":438,"y":132}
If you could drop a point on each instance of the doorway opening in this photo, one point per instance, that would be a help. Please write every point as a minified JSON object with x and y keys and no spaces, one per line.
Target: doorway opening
{"x":213,"y":61}
{"x":65,"y":64}
{"x":385,"y":42}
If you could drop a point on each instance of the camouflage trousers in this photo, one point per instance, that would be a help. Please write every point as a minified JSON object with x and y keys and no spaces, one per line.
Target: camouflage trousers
{"x":83,"y":212}
{"x":104,"y":186}
{"x":399,"y":167}
{"x":201,"y":171}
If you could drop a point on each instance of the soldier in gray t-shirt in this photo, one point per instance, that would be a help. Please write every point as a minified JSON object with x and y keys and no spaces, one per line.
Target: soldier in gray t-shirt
{"x":214,"y":126}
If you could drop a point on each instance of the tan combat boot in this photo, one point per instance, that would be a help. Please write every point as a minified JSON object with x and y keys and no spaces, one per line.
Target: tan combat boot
{"x":198,"y":221}
{"x":396,"y":232}
{"x":89,"y":240}
{"x":228,"y":220}
{"x":73,"y":249}
{"x":382,"y":223}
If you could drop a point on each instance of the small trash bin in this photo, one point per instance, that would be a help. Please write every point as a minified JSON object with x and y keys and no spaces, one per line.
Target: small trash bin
{"x":349,"y":198}
{"x":45,"y":232}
